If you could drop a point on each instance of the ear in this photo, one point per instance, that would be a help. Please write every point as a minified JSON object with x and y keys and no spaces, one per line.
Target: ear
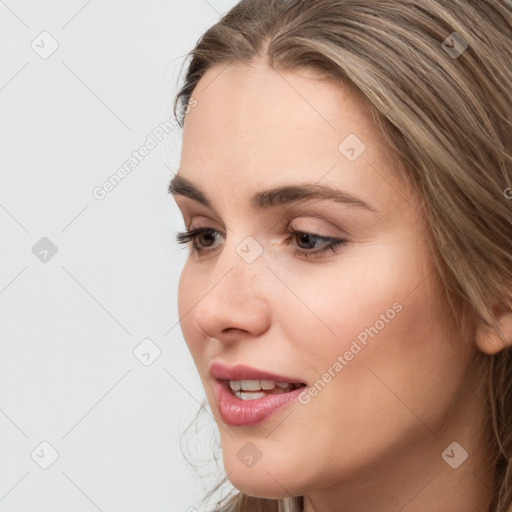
{"x":493,"y":339}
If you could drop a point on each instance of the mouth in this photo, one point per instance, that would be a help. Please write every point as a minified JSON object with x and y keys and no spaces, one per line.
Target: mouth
{"x":247,"y":396}
{"x":241,"y":407}
{"x":254,"y":389}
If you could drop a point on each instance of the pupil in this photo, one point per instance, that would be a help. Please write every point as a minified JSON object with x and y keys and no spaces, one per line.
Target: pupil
{"x":305,"y":238}
{"x":205,"y":235}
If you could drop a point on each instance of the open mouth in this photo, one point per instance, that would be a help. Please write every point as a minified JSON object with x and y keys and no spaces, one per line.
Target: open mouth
{"x":254,"y":389}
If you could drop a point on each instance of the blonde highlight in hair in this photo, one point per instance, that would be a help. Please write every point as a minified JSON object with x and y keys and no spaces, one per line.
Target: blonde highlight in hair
{"x":449,"y":121}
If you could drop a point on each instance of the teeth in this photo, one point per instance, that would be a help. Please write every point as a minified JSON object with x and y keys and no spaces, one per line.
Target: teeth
{"x":234,"y":385}
{"x":250,"y":385}
{"x":249,"y":396}
{"x":257,"y":385}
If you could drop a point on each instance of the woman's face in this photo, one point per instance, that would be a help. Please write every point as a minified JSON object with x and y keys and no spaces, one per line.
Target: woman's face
{"x":365,"y":322}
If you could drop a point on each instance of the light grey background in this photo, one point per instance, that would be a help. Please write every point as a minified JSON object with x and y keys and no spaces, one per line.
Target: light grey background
{"x":70,"y":321}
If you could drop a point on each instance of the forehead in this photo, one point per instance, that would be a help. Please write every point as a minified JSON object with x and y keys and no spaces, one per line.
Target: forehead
{"x":255,"y":125}
{"x":259,"y":103}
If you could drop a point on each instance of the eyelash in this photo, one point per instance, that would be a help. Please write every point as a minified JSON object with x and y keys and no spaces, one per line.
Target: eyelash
{"x":190,"y":235}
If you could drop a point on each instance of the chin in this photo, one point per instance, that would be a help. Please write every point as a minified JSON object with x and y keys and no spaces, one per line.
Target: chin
{"x":264,"y":487}
{"x":263,"y":480}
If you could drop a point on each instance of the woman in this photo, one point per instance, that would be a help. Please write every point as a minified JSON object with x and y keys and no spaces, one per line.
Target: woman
{"x":347,"y":294}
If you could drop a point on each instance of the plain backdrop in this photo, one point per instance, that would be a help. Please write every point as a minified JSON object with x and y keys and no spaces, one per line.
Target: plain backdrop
{"x":96,"y":382}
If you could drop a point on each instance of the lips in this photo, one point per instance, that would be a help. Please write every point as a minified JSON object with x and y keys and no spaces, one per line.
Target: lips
{"x":246,"y":413}
{"x":243,"y":372}
{"x":240,"y":408}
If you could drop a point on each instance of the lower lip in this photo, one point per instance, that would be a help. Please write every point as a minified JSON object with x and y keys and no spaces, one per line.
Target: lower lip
{"x":238,"y":412}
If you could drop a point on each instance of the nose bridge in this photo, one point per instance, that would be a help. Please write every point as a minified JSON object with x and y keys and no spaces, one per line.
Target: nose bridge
{"x":239,"y":268}
{"x":233,"y":298}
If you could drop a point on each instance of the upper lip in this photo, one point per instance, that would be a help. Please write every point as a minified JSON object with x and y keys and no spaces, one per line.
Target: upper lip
{"x":243,"y":372}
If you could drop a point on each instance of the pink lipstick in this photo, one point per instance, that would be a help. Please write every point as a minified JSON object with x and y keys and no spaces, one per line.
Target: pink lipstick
{"x":247,"y":396}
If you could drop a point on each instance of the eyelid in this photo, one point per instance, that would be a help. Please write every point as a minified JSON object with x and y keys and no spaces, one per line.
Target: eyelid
{"x":324,"y":224}
{"x":320,"y":229}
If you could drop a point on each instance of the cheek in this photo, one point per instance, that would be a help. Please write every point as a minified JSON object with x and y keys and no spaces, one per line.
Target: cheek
{"x":188,"y":296}
{"x":391,"y":354}
{"x":358,"y":297}
{"x":372,"y":336}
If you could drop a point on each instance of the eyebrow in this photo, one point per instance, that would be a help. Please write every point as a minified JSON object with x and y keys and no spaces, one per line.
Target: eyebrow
{"x":287,"y":194}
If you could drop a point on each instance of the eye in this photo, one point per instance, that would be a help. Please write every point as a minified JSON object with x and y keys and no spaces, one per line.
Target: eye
{"x":203,"y":238}
{"x":330,"y":244}
{"x":193,"y":235}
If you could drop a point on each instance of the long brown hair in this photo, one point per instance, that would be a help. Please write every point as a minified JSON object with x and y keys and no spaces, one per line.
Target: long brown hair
{"x":437,"y":77}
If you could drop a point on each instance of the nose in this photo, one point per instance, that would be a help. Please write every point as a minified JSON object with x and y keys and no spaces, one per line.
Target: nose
{"x":234,"y":305}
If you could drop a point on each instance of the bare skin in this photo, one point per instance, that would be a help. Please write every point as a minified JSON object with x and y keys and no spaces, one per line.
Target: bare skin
{"x":372,"y":439}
